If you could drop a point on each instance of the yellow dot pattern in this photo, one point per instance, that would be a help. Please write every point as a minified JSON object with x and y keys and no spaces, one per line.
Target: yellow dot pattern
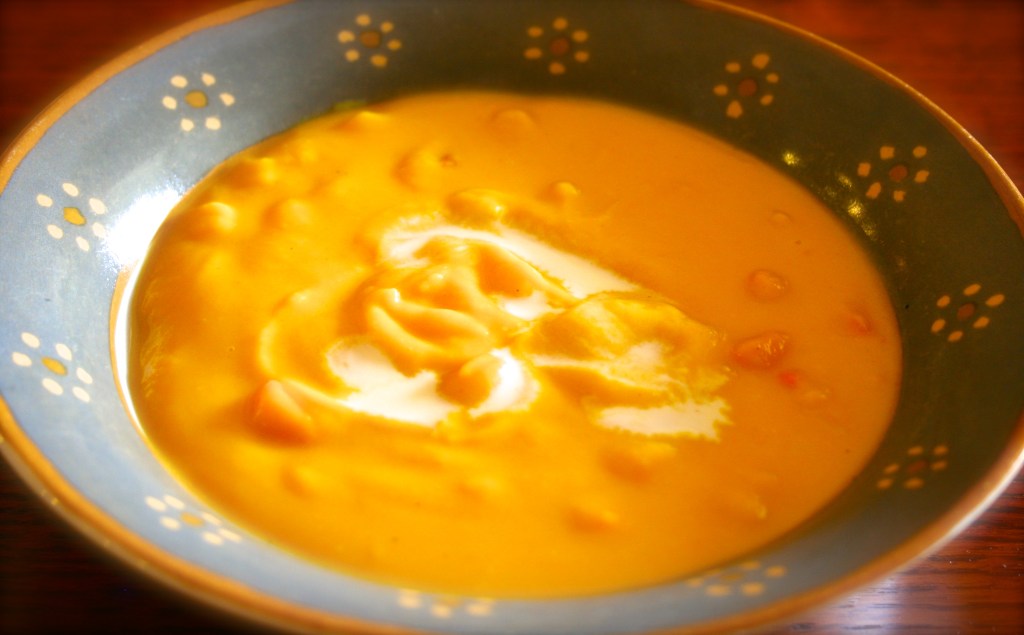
{"x":559,"y":44}
{"x":175,"y":515}
{"x":750,"y":579}
{"x":79,"y":216}
{"x":750,"y":87}
{"x":896,"y":172}
{"x":195,"y":95}
{"x":443,"y":607}
{"x":369,"y":40}
{"x":963,"y":312}
{"x":912,"y":471}
{"x":56,"y":363}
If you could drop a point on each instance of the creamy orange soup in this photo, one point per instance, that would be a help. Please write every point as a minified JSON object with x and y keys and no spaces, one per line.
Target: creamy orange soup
{"x":507,"y":345}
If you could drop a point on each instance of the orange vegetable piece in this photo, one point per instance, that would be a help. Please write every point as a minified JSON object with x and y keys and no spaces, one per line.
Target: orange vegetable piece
{"x":761,"y":352}
{"x":767,"y":286}
{"x":278,"y":415}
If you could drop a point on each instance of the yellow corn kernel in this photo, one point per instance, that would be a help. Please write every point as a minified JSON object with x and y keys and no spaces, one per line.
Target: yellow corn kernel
{"x":767,"y":286}
{"x":591,"y":516}
{"x":291,"y":213}
{"x":422,"y":169}
{"x":365,"y":120}
{"x":301,"y":480}
{"x":743,"y":505}
{"x":211,"y":220}
{"x":512,"y":123}
{"x":480,"y":487}
{"x":478,"y":205}
{"x":262,"y":171}
{"x":636,"y":463}
{"x":561,"y":193}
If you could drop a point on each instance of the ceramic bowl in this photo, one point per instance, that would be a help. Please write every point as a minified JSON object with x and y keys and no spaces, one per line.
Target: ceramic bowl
{"x":85,"y":187}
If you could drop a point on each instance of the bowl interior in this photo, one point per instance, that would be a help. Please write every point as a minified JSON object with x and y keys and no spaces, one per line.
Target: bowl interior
{"x":122,"y":151}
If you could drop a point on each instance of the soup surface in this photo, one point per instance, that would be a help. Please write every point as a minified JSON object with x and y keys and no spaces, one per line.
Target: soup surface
{"x":505,"y":345}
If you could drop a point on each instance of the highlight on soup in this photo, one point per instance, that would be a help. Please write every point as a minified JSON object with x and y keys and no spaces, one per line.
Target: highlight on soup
{"x":510,"y":345}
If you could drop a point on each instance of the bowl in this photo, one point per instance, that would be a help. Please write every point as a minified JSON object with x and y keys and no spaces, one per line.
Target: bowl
{"x":85,"y":187}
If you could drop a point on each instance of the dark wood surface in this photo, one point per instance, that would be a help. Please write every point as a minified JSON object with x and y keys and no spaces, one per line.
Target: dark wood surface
{"x":966,"y":55}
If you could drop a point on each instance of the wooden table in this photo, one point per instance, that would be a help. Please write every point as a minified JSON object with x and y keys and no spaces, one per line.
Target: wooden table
{"x":966,"y":55}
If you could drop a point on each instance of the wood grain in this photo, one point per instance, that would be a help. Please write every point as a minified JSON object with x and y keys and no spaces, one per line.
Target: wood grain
{"x":966,"y":55}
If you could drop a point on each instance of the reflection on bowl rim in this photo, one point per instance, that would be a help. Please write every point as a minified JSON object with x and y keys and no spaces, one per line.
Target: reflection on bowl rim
{"x":235,"y":598}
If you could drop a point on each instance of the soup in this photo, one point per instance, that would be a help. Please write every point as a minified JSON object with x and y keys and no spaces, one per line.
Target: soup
{"x":495,"y":344}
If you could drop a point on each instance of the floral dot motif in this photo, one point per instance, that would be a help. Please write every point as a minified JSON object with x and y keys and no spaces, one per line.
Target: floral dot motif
{"x":559,"y":46}
{"x":750,"y":579}
{"x":893,"y":172}
{"x":444,"y":607}
{"x":369,"y":40}
{"x":915,"y":467}
{"x":77,"y":215}
{"x":175,"y":515}
{"x":747,"y":85}
{"x":61,"y":375}
{"x":969,"y":311}
{"x":193,"y":100}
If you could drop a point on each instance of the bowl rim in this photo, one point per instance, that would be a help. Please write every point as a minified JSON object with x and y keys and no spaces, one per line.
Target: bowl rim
{"x":216,"y":591}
